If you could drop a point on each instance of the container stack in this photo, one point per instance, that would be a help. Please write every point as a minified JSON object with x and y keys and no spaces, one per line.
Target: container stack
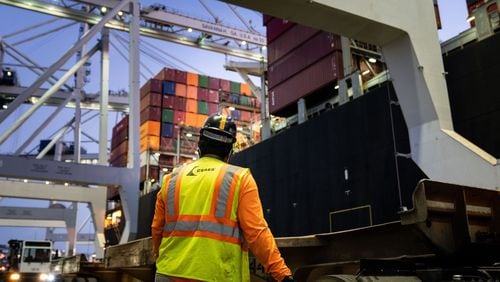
{"x":301,"y":60}
{"x":174,"y":106}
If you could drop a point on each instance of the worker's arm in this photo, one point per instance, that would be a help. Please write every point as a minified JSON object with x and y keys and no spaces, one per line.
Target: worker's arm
{"x":158,"y":219}
{"x":256,"y":232}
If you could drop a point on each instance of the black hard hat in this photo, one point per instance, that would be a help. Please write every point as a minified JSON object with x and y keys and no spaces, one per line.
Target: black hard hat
{"x":220,"y":128}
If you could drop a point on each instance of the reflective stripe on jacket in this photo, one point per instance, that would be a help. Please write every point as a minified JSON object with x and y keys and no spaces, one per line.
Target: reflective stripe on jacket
{"x":201,"y":235}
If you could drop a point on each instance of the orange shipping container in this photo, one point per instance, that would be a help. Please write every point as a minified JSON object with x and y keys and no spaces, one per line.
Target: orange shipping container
{"x":150,"y":143}
{"x":191,"y":119}
{"x":191,"y":106}
{"x":192,"y":79}
{"x":150,"y":128}
{"x":201,"y":120}
{"x":180,"y":90}
{"x":192,"y":92}
{"x":245,"y":90}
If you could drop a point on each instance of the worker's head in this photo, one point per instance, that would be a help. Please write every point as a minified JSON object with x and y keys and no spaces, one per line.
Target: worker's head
{"x":217,"y":136}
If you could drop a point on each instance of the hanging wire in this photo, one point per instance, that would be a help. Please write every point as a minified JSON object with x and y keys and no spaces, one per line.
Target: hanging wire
{"x":30,"y":28}
{"x":124,"y":43}
{"x":43,"y":33}
{"x":125,"y":57}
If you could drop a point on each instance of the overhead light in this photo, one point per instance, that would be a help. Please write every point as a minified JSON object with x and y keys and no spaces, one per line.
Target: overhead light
{"x":47,"y":182}
{"x":9,"y":73}
{"x":231,"y":108}
{"x":336,"y":87}
{"x":471,"y":18}
{"x":66,"y":184}
{"x":264,"y":48}
{"x":372,"y":60}
{"x":25,"y":180}
{"x":189,"y":135}
{"x":5,"y":106}
{"x":190,"y":30}
{"x":120,"y":13}
{"x":365,"y":72}
{"x":243,"y":42}
{"x":104,"y":9}
{"x":164,"y":169}
{"x":152,"y":180}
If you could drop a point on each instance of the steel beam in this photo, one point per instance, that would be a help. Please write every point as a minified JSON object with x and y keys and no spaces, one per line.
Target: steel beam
{"x":116,"y":103}
{"x":103,"y":113}
{"x":96,"y":197}
{"x":129,"y":192}
{"x":24,"y":168}
{"x":43,"y":78}
{"x":45,"y":96}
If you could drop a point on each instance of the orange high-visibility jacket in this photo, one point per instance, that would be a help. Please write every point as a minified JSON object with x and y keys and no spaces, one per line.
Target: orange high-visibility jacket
{"x":207,"y":214}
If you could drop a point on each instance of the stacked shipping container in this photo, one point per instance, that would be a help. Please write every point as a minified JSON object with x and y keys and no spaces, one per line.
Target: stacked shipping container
{"x":173,"y":104}
{"x":301,"y":60}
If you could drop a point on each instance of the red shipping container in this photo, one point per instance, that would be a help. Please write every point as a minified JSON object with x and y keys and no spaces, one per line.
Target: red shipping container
{"x":166,"y":145}
{"x":180,"y":90}
{"x":303,"y":56}
{"x":213,"y":108}
{"x":121,"y":125}
{"x":276,"y":27}
{"x":192,"y":92}
{"x":179,"y":117}
{"x":152,"y":85}
{"x":203,"y":94}
{"x":314,"y":77}
{"x":152,"y":99}
{"x":180,"y":76}
{"x":168,"y":102}
{"x":191,"y":106}
{"x":166,"y":74}
{"x":118,"y":138}
{"x":266,"y":19}
{"x":246,"y":116}
{"x":225,"y":85}
{"x":213,"y":83}
{"x":180,"y":104}
{"x":151,"y":113}
{"x":213,"y":96}
{"x":289,"y":41}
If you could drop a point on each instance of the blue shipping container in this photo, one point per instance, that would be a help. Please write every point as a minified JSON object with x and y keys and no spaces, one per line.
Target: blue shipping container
{"x":167,"y":130}
{"x":236,"y":114}
{"x":168,"y":87}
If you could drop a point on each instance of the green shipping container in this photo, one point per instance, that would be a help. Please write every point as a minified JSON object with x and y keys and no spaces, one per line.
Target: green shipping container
{"x":203,"y":81}
{"x":167,"y":115}
{"x":203,"y":107}
{"x":235,"y":87}
{"x":245,"y":101}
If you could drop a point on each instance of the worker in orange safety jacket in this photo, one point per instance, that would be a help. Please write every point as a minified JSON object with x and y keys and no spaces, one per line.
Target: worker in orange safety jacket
{"x":208,"y":214}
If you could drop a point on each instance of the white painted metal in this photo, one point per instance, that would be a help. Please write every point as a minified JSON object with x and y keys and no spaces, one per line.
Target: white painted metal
{"x":129,"y":193}
{"x":412,"y":53}
{"x":103,"y":113}
{"x":167,"y":17}
{"x":265,"y":130}
{"x":42,"y":126}
{"x":116,"y":103}
{"x":35,"y":70}
{"x":68,"y":13}
{"x":96,"y":197}
{"x":45,"y":96}
{"x":59,"y":63}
